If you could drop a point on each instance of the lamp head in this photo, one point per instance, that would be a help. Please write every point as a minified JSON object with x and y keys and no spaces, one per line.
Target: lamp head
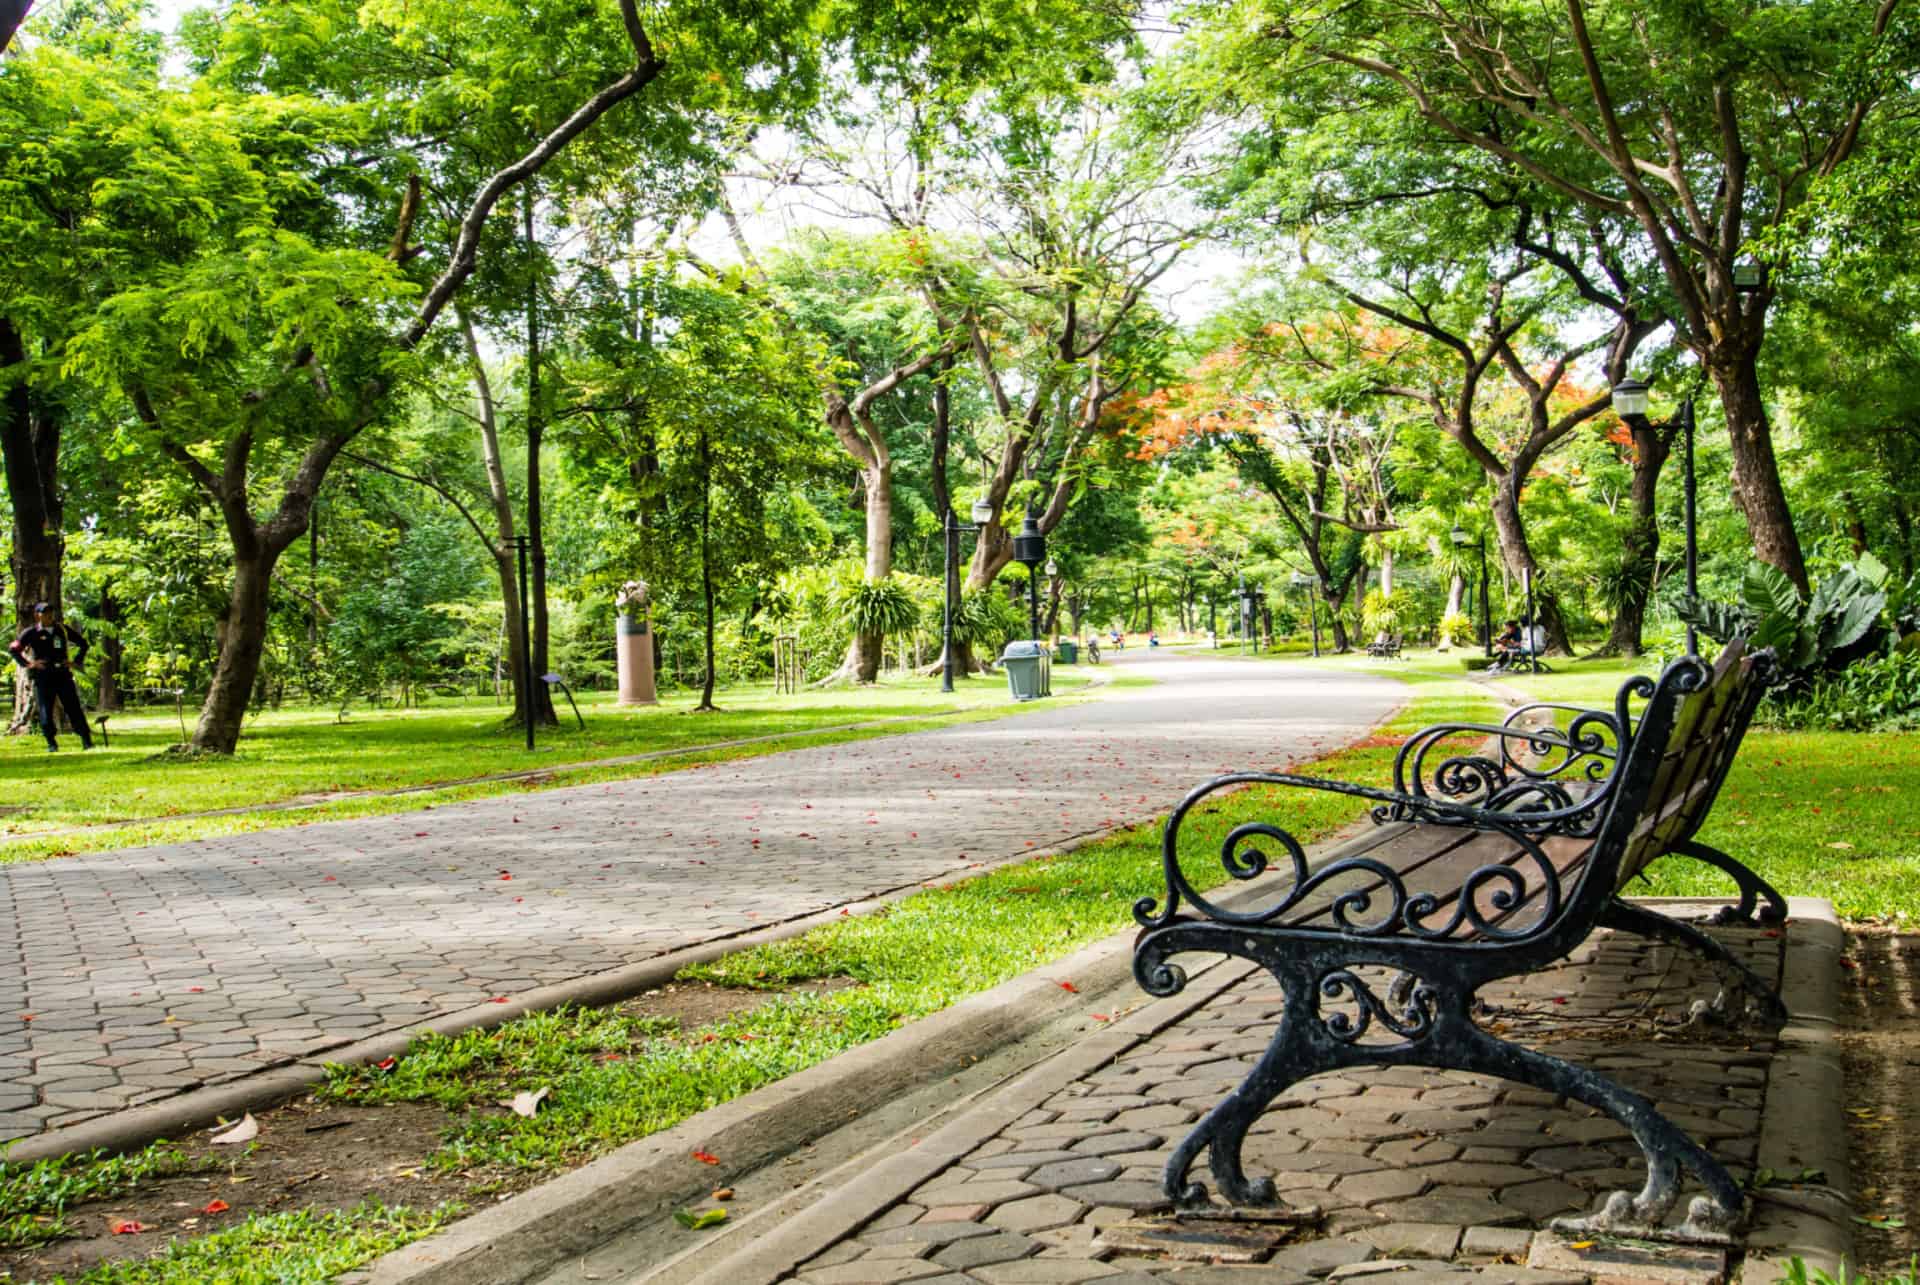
{"x":1459,"y":536}
{"x":982,"y":512}
{"x":1630,"y":398}
{"x":1030,"y":546}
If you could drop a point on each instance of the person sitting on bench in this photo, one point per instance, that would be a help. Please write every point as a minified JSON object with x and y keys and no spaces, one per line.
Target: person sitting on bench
{"x":1507,"y":647}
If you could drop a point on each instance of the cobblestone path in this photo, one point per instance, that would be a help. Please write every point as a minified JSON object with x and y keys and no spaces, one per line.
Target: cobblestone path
{"x":143,"y":973}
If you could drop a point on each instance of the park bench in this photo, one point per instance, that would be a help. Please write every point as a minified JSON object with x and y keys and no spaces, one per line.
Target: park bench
{"x":1387,"y":645}
{"x":1491,"y":863}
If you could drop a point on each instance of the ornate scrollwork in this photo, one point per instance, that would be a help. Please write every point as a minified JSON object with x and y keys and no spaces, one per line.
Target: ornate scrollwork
{"x":1367,"y":898}
{"x":1413,"y":1020}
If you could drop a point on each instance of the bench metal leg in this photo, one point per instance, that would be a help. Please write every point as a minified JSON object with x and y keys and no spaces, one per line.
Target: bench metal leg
{"x":1711,"y":1219}
{"x":1752,"y":886}
{"x":1646,"y":923}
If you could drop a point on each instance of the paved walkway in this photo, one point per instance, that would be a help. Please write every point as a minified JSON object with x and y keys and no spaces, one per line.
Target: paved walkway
{"x":132,"y":976}
{"x":1418,"y":1176}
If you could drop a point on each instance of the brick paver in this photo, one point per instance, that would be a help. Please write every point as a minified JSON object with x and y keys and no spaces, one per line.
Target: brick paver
{"x":1417,"y":1174}
{"x":130,"y":976}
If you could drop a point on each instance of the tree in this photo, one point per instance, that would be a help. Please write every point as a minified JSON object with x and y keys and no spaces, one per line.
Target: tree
{"x":699,"y":428}
{"x":287,"y":372}
{"x":1699,"y":129}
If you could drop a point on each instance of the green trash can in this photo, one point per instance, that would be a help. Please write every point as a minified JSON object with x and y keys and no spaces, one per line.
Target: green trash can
{"x":1026,"y":664}
{"x":1069,"y":651}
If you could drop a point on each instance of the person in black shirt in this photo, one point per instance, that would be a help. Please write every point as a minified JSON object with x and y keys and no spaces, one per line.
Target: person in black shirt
{"x":50,"y":651}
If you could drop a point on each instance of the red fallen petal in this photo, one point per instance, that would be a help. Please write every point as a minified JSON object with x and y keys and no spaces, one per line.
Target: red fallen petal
{"x":498,"y":999}
{"x":1847,"y":963}
{"x":331,"y":879}
{"x":706,"y":1158}
{"x":1101,"y":1017}
{"x":1069,"y":986}
{"x":216,"y":1207}
{"x":607,"y":866}
{"x":419,"y":834}
{"x":846,"y":912}
{"x":506,"y":878}
{"x":126,"y":1227}
{"x":519,"y":899}
{"x":1559,"y":999}
{"x":386,"y":1063}
{"x":195,"y":990}
{"x":28,"y":1017}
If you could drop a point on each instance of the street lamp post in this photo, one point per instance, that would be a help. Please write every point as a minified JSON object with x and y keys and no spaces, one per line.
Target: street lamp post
{"x":982,"y":514}
{"x":1249,"y":618}
{"x":1213,"y":622}
{"x":1630,"y":401}
{"x":1030,"y":550}
{"x":1459,"y":538}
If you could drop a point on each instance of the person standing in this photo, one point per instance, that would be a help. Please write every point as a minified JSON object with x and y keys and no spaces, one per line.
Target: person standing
{"x":50,"y":651}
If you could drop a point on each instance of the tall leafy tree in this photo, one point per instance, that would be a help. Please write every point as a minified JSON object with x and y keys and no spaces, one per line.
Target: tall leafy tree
{"x":1700,"y":127}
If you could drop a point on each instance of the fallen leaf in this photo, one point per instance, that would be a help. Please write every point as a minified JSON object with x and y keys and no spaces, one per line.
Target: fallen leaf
{"x":705,"y":1218}
{"x":723,"y":1193}
{"x":126,"y":1226}
{"x":216,"y":1207}
{"x":706,"y":1157}
{"x":1842,"y":846}
{"x":246,"y":1131}
{"x":1581,"y":1244}
{"x":527,"y":1105}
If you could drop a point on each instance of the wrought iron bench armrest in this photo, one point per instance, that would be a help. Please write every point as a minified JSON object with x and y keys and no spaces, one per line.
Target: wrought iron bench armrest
{"x":1405,"y":913}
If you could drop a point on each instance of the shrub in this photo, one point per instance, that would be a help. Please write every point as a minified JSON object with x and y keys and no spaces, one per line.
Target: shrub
{"x":1456,"y":630}
{"x":1880,"y":693}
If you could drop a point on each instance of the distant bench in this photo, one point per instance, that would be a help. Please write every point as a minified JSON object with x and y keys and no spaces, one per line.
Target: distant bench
{"x":1491,"y":863}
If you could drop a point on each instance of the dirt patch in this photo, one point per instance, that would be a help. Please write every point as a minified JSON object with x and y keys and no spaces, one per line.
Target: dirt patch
{"x":323,"y":1156}
{"x":1882,"y":1057}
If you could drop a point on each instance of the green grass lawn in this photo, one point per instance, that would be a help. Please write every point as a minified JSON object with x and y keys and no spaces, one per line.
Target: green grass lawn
{"x":307,"y":755}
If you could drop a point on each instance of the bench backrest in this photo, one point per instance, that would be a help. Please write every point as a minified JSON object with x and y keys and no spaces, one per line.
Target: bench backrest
{"x":1679,"y":756}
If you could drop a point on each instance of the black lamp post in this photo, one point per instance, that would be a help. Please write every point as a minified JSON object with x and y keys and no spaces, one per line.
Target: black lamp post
{"x":1300,"y":580}
{"x":1030,"y":550}
{"x":982,"y":514}
{"x":1630,"y":402}
{"x":1460,"y":540}
{"x":1249,"y":619}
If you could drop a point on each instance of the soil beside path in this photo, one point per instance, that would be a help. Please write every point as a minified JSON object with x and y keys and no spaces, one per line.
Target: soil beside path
{"x":144,"y":973}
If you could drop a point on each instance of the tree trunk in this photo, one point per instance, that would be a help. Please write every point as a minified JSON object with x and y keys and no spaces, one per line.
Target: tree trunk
{"x":502,"y":503}
{"x":1518,"y":556}
{"x":866,"y":650}
{"x":1756,"y":474}
{"x":243,"y":644}
{"x":106,"y":697}
{"x":30,"y":444}
{"x":1642,"y":551}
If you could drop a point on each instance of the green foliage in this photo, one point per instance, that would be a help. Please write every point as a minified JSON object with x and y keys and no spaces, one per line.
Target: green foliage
{"x":883,"y":607}
{"x":1873,"y":694}
{"x":1839,"y":625}
{"x":35,"y":1198}
{"x":1383,"y":613}
{"x":297,"y":1248}
{"x":1456,"y":629}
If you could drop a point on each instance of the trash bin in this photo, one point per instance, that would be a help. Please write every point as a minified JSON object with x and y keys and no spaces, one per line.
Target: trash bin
{"x":1069,"y":651}
{"x":1027,"y":665}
